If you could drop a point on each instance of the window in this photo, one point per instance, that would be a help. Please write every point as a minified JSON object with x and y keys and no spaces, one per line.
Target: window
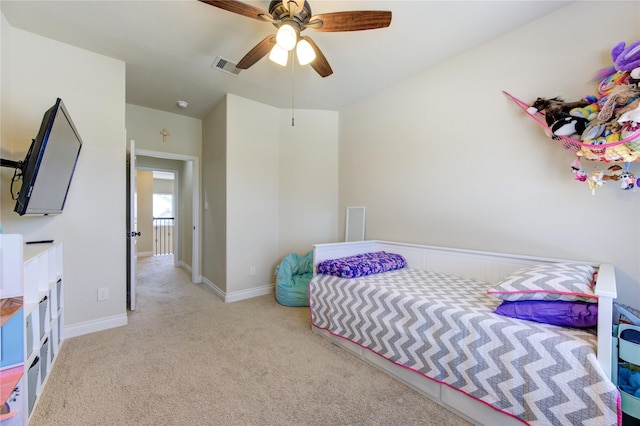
{"x":163,"y":205}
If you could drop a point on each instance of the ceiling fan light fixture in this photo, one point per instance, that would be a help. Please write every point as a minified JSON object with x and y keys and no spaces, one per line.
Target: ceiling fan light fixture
{"x":286,"y":37}
{"x":279,"y":55}
{"x":305,"y":52}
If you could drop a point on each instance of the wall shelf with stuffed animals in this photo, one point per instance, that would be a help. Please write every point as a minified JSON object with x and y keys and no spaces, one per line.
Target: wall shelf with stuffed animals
{"x":603,"y":127}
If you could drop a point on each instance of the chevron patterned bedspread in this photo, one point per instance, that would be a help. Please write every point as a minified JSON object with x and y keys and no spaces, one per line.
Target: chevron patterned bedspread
{"x":444,"y":327}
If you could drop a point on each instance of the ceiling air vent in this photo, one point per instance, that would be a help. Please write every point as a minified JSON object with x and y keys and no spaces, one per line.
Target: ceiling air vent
{"x":225,"y":65}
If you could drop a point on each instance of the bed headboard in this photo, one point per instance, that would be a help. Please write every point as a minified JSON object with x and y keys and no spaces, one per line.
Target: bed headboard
{"x":484,"y":266}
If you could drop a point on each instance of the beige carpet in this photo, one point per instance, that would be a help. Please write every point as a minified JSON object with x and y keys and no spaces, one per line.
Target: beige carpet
{"x":187,"y":358}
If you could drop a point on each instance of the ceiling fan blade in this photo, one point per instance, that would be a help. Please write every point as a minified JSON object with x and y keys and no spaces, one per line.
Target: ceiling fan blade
{"x":320,"y":64}
{"x":257,"y":53}
{"x":239,"y":8}
{"x":351,"y":21}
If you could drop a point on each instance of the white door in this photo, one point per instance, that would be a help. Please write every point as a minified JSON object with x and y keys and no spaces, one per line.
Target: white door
{"x":132,"y":255}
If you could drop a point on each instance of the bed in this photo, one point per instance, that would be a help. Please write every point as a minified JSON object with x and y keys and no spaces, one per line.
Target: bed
{"x":432,"y":326}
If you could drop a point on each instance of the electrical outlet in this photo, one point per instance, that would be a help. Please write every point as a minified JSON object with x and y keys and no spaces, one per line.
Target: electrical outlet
{"x":103,"y":294}
{"x":252,"y":271}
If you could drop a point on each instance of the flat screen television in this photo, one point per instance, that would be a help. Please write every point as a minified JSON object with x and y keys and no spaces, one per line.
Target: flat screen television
{"x":48,"y":167}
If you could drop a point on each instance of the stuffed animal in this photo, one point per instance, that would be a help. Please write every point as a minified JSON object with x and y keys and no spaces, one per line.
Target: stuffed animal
{"x":579,"y":173}
{"x":593,"y":130}
{"x":630,"y":114}
{"x":587,"y":154}
{"x":589,"y":112}
{"x":634,"y":76}
{"x":626,"y":58}
{"x":627,"y":181}
{"x":568,"y":125}
{"x":595,"y":181}
{"x":620,"y":152}
{"x":555,"y":108}
{"x":614,"y":173}
{"x":629,"y":129}
{"x":581,"y":176}
{"x":612,"y":137}
{"x":620,"y":96}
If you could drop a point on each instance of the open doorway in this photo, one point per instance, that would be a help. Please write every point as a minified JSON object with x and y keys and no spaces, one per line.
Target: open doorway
{"x":186,"y":237}
{"x":164,"y":218}
{"x":157,"y":214}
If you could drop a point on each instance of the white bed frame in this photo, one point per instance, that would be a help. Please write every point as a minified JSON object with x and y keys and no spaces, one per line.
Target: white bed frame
{"x":484,"y":266}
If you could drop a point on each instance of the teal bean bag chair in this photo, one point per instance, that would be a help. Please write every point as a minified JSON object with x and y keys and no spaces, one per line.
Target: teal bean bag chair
{"x":292,"y":279}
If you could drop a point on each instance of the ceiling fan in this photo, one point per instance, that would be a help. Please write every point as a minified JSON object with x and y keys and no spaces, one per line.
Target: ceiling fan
{"x":291,"y":17}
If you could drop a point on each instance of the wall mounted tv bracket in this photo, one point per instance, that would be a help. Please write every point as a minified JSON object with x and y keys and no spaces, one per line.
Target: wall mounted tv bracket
{"x":18,"y":166}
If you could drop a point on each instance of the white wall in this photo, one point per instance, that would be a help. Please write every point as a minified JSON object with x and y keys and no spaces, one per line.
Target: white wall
{"x":214,"y":197}
{"x":145,"y":124}
{"x":446,"y":159}
{"x":308,"y":180}
{"x":185,"y":207}
{"x":252,"y":192}
{"x":272,"y":189}
{"x":92,"y":226}
{"x":5,"y":81}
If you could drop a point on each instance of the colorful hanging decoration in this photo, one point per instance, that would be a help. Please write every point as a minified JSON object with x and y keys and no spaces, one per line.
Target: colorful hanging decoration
{"x":604,"y":127}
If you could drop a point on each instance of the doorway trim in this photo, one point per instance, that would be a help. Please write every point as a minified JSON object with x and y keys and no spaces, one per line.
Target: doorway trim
{"x":196,"y":249}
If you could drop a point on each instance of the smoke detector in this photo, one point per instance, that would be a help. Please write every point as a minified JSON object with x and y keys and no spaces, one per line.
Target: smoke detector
{"x":183,"y":104}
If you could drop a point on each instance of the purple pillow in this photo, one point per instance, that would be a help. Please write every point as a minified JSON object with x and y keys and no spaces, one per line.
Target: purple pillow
{"x":363,"y":264}
{"x":562,"y":313}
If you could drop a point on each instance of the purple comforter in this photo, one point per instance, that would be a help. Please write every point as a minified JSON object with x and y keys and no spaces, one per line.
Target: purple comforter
{"x":362,"y":264}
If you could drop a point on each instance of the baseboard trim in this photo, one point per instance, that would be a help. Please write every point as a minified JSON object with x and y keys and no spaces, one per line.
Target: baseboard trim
{"x":92,"y":326}
{"x":238,"y":295}
{"x":185,"y":266}
{"x":216,"y":290}
{"x":249,"y":293}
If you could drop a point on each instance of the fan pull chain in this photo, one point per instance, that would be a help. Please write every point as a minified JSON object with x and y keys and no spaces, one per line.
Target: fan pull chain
{"x":293,"y":90}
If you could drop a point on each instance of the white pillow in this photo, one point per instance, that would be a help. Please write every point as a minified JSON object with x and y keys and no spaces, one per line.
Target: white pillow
{"x":550,"y":281}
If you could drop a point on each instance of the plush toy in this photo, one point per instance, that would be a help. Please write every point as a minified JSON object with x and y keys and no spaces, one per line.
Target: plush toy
{"x":634,"y":76}
{"x":575,"y":165}
{"x":631,"y":114}
{"x":612,"y":137}
{"x":608,"y":82}
{"x":589,"y":112}
{"x":620,"y":96}
{"x":627,"y":180}
{"x":595,"y":181}
{"x":568,"y":125}
{"x":622,"y":152}
{"x":555,"y":108}
{"x":632,"y":104}
{"x":579,"y":173}
{"x":588,"y":154}
{"x":592,"y":131}
{"x":629,"y":129}
{"x":611,"y":154}
{"x":580,"y":176}
{"x":626,"y":58}
{"x":613,"y":173}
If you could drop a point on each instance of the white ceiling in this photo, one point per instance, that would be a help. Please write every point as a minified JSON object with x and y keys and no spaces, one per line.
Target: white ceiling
{"x":170,"y":46}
